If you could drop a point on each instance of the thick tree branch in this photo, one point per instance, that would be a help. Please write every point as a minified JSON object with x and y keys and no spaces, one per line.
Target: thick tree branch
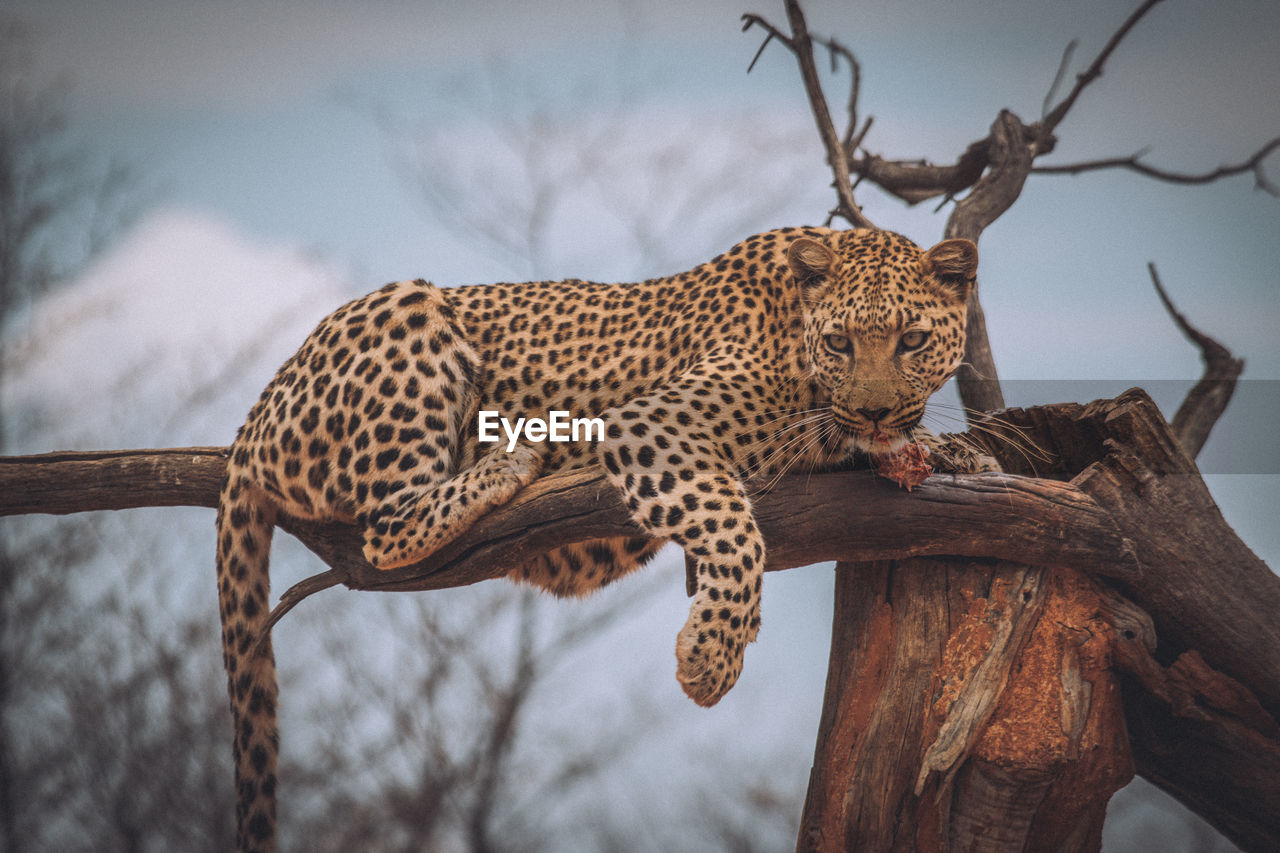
{"x":67,"y":482}
{"x":1171,"y":524}
{"x":1182,"y":715}
{"x":1215,"y":763}
{"x":1208,"y":399}
{"x":945,"y":515}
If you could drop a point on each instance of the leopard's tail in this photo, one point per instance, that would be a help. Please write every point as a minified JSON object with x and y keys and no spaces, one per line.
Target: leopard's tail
{"x":245,"y":527}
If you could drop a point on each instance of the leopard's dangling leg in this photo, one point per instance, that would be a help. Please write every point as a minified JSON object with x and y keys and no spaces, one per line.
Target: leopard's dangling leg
{"x":689,"y":494}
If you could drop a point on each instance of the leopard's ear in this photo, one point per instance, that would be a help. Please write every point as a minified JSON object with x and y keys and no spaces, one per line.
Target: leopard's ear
{"x":811,"y":261}
{"x":955,"y":265}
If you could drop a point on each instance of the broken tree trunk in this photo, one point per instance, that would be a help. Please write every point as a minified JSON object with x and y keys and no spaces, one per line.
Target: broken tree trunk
{"x":997,"y":706}
{"x":970,"y":705}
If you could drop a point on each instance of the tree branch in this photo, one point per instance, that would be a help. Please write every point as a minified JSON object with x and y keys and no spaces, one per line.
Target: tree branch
{"x":918,"y":181}
{"x":1009,"y":158}
{"x":1208,"y":399}
{"x":1180,"y":716}
{"x":67,"y":482}
{"x":850,"y":515}
{"x":1134,"y":163}
{"x":800,"y":43}
{"x":1063,"y":64}
{"x":943,"y":516}
{"x":1094,"y":71}
{"x":915,"y":181}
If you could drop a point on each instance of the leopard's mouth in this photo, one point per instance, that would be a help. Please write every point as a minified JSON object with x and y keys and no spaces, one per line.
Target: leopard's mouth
{"x":873,"y":437}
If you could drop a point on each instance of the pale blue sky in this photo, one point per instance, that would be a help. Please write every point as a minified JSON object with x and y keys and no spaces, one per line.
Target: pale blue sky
{"x":263,"y":115}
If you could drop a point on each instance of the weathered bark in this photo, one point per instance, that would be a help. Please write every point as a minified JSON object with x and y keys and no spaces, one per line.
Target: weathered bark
{"x":73,"y":481}
{"x":1204,"y":738}
{"x":806,"y":519}
{"x":1203,"y":586}
{"x":927,"y":743}
{"x":969,"y":705}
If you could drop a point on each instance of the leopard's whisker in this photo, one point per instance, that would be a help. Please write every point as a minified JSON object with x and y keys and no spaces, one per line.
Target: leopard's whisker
{"x":769,"y":443}
{"x":796,"y":447}
{"x":783,"y":414}
{"x":789,"y":463}
{"x":994,"y":426}
{"x":1025,"y":447}
{"x":769,"y":455}
{"x":832,"y":431}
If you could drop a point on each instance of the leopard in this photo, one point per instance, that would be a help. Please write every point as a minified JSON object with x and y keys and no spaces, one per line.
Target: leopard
{"x":799,"y":348}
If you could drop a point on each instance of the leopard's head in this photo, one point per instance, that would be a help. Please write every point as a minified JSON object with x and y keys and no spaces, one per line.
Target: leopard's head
{"x":883,"y":326}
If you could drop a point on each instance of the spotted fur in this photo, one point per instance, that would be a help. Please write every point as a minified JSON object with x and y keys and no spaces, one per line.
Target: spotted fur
{"x":792,"y":350}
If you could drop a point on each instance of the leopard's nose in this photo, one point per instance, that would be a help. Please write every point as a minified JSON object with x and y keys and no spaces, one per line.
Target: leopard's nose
{"x":874,"y":415}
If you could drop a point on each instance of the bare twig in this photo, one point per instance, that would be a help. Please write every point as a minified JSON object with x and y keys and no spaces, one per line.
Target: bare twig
{"x":1134,"y":162}
{"x":1094,"y":71}
{"x":293,"y":597}
{"x":773,"y":34}
{"x":800,"y":43}
{"x":749,"y":20}
{"x":855,"y":86}
{"x":855,"y":143}
{"x":1208,"y":399}
{"x":1063,"y":64}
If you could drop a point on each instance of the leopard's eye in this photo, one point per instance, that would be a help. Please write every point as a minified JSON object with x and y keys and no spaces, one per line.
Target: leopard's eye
{"x":912,"y":340}
{"x":838,"y":343}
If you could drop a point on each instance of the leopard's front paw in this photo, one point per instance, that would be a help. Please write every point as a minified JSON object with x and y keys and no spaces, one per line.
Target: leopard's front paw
{"x":524,"y":463}
{"x":709,"y":650}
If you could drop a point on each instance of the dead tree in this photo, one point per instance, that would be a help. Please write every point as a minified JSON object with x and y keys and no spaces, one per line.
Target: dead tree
{"x":1037,"y":678}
